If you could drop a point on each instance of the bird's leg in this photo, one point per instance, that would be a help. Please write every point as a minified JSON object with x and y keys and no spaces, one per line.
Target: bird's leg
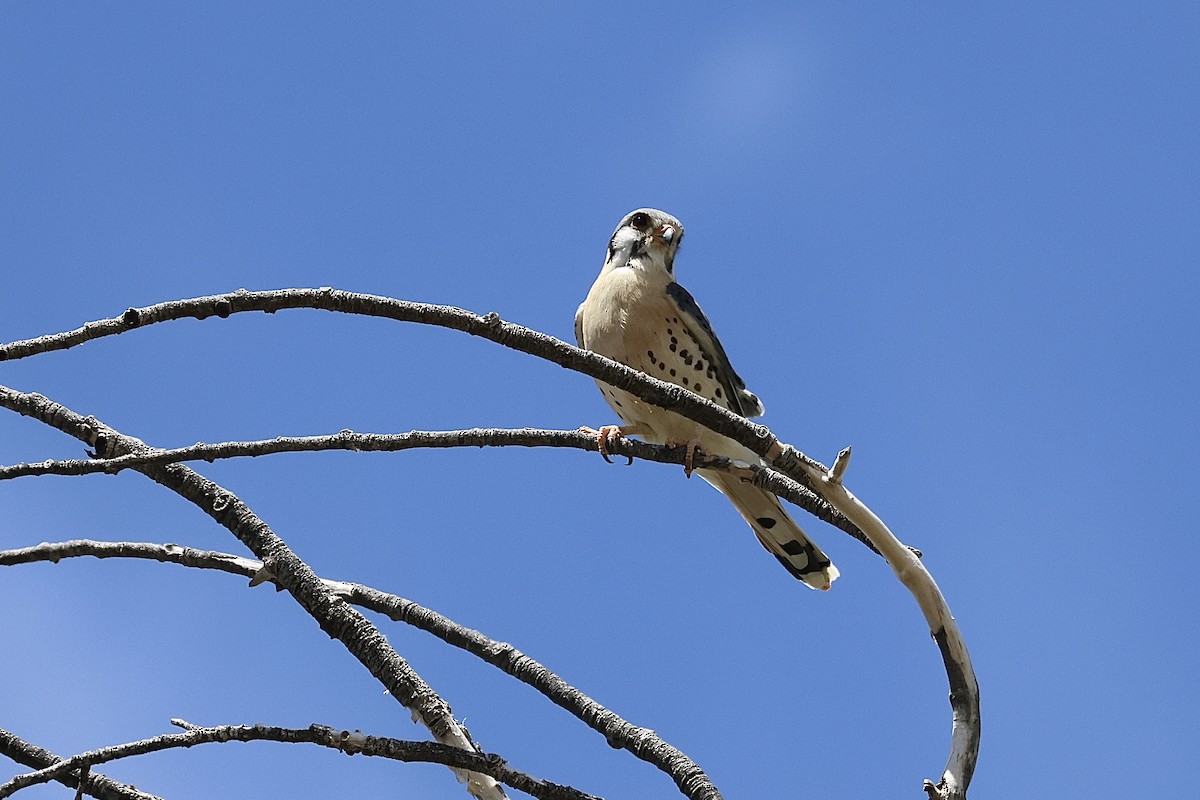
{"x":608,"y":433}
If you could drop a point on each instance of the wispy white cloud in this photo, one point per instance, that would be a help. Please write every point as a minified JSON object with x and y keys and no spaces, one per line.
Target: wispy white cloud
{"x":749,"y":86}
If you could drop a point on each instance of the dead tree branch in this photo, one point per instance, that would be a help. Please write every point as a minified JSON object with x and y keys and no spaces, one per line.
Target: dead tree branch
{"x":92,"y":783}
{"x":781,"y":485}
{"x":345,"y":741}
{"x":964,"y":690}
{"x":332,"y":613}
{"x":488,"y":326}
{"x":641,"y":742}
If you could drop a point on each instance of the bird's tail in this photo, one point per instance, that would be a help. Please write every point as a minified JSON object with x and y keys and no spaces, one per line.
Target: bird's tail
{"x":777,"y":531}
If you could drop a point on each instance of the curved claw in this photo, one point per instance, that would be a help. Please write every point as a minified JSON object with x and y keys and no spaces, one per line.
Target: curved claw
{"x":604,"y":435}
{"x":689,"y":457}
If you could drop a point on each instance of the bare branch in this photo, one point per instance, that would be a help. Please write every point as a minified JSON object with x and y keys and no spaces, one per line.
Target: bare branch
{"x":641,"y":742}
{"x":964,"y":689}
{"x":488,"y":326}
{"x":164,"y":553}
{"x":334,"y":616}
{"x":785,"y":487}
{"x":94,"y":784}
{"x":346,"y":741}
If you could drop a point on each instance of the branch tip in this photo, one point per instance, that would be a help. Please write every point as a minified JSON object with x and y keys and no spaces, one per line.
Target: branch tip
{"x":839,"y":466}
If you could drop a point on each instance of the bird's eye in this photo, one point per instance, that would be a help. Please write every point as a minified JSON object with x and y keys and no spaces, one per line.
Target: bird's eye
{"x":640,"y":220}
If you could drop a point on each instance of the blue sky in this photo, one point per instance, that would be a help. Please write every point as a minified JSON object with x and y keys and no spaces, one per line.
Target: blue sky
{"x":963,"y":240}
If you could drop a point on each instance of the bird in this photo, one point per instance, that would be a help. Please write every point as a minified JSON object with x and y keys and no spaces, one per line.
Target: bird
{"x":636,"y":313}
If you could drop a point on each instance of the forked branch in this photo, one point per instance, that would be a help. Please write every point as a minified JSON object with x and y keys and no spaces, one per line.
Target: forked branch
{"x":641,"y":742}
{"x":92,"y":783}
{"x":335,"y":617}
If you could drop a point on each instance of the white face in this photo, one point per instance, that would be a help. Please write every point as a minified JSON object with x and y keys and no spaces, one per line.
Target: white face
{"x":646,"y":239}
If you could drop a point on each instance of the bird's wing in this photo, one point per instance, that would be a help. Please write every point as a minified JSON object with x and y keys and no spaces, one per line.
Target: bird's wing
{"x":744,"y":402}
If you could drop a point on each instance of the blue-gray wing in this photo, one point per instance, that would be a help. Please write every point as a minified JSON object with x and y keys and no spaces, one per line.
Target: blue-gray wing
{"x":740,"y":400}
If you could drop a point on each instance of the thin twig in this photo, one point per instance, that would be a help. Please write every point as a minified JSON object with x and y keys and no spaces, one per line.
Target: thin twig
{"x":346,"y":741}
{"x":641,"y":742}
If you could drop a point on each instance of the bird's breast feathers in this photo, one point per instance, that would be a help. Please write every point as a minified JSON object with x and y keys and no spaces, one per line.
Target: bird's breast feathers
{"x":618,"y":301}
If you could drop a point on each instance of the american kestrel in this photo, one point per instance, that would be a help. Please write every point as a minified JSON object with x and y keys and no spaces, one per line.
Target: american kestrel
{"x":637,"y":314}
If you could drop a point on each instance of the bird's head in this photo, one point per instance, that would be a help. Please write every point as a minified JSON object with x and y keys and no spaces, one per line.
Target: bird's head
{"x":646,"y":239}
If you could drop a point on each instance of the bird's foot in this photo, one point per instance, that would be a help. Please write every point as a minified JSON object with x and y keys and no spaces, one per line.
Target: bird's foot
{"x":606,"y":434}
{"x":689,"y":457}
